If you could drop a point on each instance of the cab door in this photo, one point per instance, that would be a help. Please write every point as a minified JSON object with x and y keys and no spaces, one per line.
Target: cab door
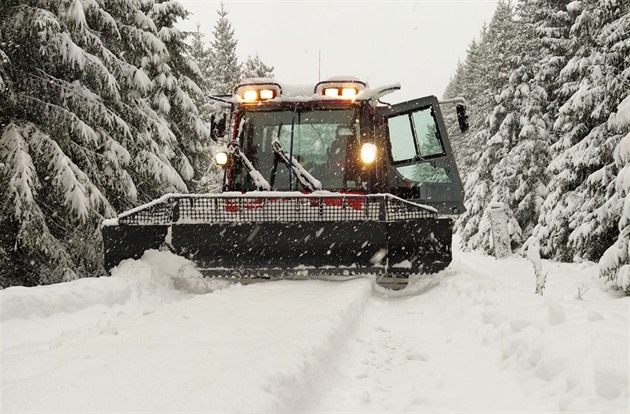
{"x":421,"y":165}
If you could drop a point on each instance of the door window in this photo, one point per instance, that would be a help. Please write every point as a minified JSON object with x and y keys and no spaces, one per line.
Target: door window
{"x":424,"y":173}
{"x":403,"y":147}
{"x":426,"y":130}
{"x":414,"y":136}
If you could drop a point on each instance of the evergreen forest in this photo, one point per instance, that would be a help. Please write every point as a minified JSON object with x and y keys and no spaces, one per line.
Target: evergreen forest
{"x":547,"y":85}
{"x":103,"y":107}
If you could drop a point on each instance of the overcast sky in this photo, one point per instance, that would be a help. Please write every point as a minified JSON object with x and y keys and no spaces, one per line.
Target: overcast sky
{"x":416,"y":43}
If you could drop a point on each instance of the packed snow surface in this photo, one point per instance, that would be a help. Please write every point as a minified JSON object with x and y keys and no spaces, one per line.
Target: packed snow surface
{"x":154,"y":337}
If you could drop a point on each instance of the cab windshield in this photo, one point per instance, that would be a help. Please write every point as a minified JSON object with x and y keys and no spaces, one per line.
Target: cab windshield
{"x":324,"y":142}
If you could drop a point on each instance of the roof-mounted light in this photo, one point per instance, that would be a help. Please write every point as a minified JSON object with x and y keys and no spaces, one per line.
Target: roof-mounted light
{"x":267,"y":94}
{"x":331,"y":92}
{"x":349,"y":92}
{"x":250,"y":95}
{"x":258,"y":90}
{"x":340,"y":88}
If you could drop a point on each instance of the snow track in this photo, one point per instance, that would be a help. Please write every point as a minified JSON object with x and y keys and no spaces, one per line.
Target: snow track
{"x":413,"y":353}
{"x":242,"y":349}
{"x":472,"y":339}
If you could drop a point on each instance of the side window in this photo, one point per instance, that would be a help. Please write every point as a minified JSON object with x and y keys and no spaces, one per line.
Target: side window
{"x":424,"y":173}
{"x":414,"y":142}
{"x":414,"y":134}
{"x":401,"y":136}
{"x":426,"y":131}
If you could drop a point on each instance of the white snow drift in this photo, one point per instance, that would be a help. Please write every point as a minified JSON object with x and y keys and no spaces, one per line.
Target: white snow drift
{"x":154,"y":337}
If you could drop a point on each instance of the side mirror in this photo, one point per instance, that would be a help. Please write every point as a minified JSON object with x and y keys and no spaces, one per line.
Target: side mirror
{"x":462,"y":118}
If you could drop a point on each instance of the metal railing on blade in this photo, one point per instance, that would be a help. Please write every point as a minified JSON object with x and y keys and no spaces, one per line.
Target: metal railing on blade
{"x":212,"y":208}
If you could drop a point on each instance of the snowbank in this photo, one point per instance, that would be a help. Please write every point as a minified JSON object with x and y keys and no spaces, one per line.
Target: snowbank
{"x":569,"y":348}
{"x":158,"y":277}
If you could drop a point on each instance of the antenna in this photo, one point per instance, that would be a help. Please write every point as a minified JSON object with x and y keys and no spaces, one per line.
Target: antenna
{"x":319,"y":65}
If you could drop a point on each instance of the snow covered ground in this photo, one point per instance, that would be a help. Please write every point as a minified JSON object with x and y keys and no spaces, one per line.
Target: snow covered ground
{"x":474,"y":338}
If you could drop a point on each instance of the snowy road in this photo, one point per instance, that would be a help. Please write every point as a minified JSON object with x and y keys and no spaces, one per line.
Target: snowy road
{"x":473,"y":339}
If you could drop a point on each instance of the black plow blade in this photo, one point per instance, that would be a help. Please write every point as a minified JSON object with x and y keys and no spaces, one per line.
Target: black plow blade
{"x":293,"y":236}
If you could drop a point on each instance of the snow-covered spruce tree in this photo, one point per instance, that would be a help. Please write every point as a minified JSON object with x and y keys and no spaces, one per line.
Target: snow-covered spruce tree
{"x":155,"y":147}
{"x":255,"y":68}
{"x":176,"y":93}
{"x":50,"y":207}
{"x":474,"y":86}
{"x":523,"y":171}
{"x":479,"y":94}
{"x":572,"y":224}
{"x":511,"y":167}
{"x":551,"y":21}
{"x":78,"y":134}
{"x":200,"y":54}
{"x":225,"y":70}
{"x":487,"y":183}
{"x":615,"y":262}
{"x":596,"y":225}
{"x":579,"y":78}
{"x":208,"y":110}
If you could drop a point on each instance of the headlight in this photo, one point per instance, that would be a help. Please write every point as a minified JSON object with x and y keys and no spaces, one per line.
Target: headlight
{"x":221,"y":158}
{"x":349,"y":92}
{"x":257,"y":90}
{"x":267,"y":94}
{"x":250,"y":95}
{"x":340,"y":92}
{"x":331,"y":92}
{"x":346,"y":87}
{"x":368,"y":153}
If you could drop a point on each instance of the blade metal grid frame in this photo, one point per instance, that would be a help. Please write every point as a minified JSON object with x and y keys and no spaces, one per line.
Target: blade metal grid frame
{"x":212,"y":208}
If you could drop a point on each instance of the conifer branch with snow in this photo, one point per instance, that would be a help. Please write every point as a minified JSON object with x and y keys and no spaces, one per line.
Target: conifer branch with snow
{"x":97,"y":114}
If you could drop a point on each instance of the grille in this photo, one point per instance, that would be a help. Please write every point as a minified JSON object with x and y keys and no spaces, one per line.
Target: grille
{"x":211,"y":208}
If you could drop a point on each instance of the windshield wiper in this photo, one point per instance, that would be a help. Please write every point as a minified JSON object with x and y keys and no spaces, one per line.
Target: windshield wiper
{"x":304,"y":177}
{"x":259,"y":180}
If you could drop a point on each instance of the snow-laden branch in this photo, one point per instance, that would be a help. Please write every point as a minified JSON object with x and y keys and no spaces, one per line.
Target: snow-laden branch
{"x":23,"y":181}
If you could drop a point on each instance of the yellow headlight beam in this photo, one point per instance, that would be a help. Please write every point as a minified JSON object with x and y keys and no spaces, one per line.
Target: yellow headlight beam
{"x":221,"y":158}
{"x":344,"y":93}
{"x":252,"y":91}
{"x":254,"y":95}
{"x":266,"y":94}
{"x":368,"y":153}
{"x":331,"y":92}
{"x":347,"y":88}
{"x":250,"y":95}
{"x":349,"y":93}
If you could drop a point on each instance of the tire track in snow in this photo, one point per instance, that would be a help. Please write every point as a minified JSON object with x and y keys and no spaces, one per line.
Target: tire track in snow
{"x":418,"y":351}
{"x":256,"y":348}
